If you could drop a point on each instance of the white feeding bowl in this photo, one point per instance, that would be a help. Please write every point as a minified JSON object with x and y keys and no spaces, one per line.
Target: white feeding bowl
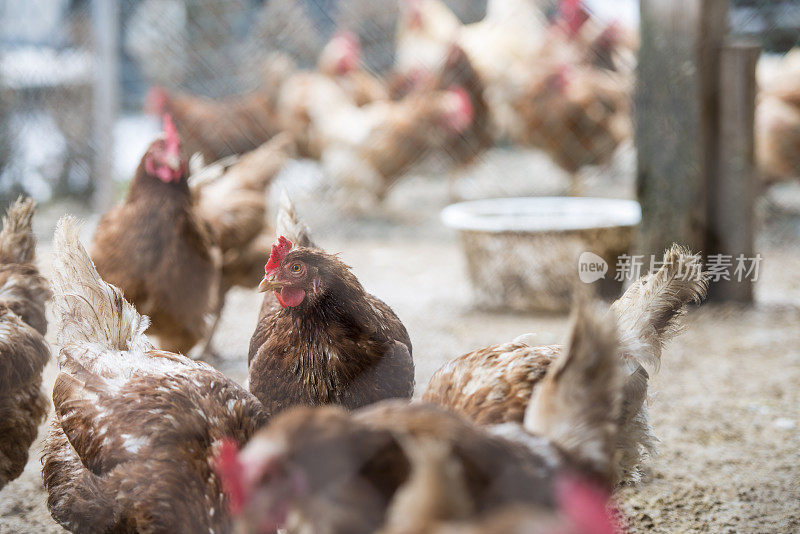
{"x":522,"y":253}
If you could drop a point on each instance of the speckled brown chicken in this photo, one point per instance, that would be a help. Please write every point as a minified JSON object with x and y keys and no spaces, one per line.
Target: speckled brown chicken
{"x":326,"y":470}
{"x":321,"y":338}
{"x":494,"y":384}
{"x":135,"y":429}
{"x":159,"y":251}
{"x":23,"y":350}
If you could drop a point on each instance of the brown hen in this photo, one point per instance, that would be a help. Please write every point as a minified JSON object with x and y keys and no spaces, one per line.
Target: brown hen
{"x":159,"y":251}
{"x":321,"y":338}
{"x":135,"y":429}
{"x":23,"y":350}
{"x":495,"y":384}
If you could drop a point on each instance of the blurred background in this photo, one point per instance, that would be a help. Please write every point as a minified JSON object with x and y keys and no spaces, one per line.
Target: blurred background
{"x":75,"y":76}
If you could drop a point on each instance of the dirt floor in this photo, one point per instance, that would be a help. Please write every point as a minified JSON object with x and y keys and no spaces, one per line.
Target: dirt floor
{"x":726,"y":402}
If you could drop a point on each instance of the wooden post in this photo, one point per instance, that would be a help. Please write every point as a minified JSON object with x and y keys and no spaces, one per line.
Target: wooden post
{"x":730,"y":208}
{"x":105,"y":23}
{"x":676,"y":118}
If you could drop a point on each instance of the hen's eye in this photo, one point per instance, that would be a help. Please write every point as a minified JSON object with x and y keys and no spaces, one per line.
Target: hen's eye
{"x":296,"y":268}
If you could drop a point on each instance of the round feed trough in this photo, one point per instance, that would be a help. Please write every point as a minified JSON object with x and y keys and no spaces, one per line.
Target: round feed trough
{"x":522,"y":253}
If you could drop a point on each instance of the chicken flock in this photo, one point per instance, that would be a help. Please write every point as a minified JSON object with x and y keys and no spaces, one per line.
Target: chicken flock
{"x":561,"y":85}
{"x":325,"y":437}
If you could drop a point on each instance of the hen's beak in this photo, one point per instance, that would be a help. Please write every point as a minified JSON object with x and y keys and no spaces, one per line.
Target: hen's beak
{"x":268,"y":283}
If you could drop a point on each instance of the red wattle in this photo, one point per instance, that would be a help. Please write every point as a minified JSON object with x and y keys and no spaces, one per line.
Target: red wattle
{"x":289,"y":297}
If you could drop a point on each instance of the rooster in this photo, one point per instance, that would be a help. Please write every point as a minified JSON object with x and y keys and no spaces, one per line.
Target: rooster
{"x":494,"y":385}
{"x":412,"y":468}
{"x":23,"y":350}
{"x":321,"y":338}
{"x":135,"y":429}
{"x":158,"y":250}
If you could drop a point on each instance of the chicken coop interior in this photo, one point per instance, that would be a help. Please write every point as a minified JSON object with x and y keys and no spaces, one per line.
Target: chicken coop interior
{"x":400,"y":267}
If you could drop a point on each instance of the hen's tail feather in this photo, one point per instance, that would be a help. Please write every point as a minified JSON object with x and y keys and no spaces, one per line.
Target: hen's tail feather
{"x":289,"y":225}
{"x":649,"y":312}
{"x":578,"y":403}
{"x":17,"y":241}
{"x":89,"y":310}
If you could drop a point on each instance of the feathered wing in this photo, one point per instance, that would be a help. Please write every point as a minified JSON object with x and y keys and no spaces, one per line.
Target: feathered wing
{"x":90,"y":312}
{"x":649,"y":312}
{"x":231,"y":198}
{"x":290,"y":225}
{"x":578,"y":403}
{"x":648,"y":315}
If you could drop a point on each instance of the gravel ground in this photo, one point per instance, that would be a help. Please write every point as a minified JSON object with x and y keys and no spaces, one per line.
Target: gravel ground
{"x":725,"y":402}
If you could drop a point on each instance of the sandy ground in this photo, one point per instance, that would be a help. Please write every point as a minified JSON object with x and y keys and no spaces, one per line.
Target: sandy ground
{"x":726,"y":402}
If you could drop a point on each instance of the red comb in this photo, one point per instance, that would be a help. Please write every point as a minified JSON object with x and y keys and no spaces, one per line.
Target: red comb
{"x":229,"y":469}
{"x":171,"y":138}
{"x":463,"y":113}
{"x":586,"y":506}
{"x":279,"y":250}
{"x":574,"y":14}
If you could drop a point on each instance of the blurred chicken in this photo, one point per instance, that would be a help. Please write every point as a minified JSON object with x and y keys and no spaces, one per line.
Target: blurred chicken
{"x":341,"y":60}
{"x":365,"y":150}
{"x":780,"y":77}
{"x":339,"y":77}
{"x":777,"y":131}
{"x":233,"y":125}
{"x":575,"y":37}
{"x":504,"y":42}
{"x":777,"y":121}
{"x":232,"y":201}
{"x":458,"y":71}
{"x":425,"y":30}
{"x":135,"y":428}
{"x":321,"y":338}
{"x":577,"y":115}
{"x":158,"y":250}
{"x":23,"y":350}
{"x":326,"y":470}
{"x":494,"y":385}
{"x":434,"y":501}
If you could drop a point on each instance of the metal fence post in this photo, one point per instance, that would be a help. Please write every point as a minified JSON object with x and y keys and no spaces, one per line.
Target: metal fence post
{"x":105,"y":24}
{"x":731,"y":207}
{"x":676,"y":118}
